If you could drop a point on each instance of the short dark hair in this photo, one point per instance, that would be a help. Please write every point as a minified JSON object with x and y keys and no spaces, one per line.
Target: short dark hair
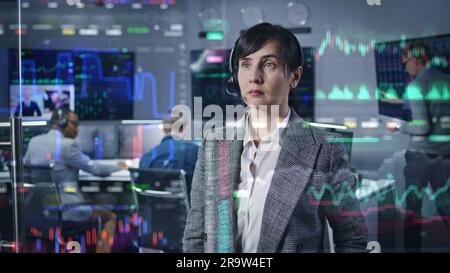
{"x":418,"y":51}
{"x":259,"y":35}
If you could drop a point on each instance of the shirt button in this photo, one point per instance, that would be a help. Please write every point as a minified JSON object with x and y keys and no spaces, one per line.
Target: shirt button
{"x":242,"y":213}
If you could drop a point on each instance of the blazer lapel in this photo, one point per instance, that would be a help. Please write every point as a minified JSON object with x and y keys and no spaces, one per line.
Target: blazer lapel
{"x":228,"y":173}
{"x":291,"y":175}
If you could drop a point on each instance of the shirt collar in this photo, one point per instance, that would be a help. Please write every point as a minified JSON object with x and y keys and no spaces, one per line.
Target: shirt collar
{"x":273,"y":136}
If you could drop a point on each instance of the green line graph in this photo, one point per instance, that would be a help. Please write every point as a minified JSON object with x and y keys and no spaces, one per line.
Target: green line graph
{"x":346,"y":189}
{"x":413,"y":92}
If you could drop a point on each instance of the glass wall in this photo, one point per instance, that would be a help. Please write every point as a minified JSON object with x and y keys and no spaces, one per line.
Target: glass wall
{"x":9,"y":40}
{"x":95,"y":85}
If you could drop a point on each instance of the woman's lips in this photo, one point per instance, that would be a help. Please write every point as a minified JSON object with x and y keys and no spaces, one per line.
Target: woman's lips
{"x":256,"y":93}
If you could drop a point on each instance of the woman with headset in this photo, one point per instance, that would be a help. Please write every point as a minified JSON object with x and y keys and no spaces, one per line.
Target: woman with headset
{"x":273,"y":190}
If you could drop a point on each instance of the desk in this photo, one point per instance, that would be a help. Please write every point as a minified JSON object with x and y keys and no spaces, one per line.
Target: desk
{"x":113,"y":192}
{"x":119,"y":176}
{"x":116,"y":185}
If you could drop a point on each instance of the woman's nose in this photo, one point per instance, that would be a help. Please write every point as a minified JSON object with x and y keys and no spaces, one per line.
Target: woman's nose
{"x":256,"y":76}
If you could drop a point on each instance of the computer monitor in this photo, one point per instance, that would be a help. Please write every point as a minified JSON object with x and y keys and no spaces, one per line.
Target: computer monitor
{"x":107,"y":142}
{"x":209,"y":75}
{"x":5,"y":150}
{"x":86,"y":138}
{"x":306,"y":87}
{"x":99,"y":141}
{"x":137,"y":139}
{"x":392,"y":78}
{"x":346,"y":139}
{"x":28,"y":133}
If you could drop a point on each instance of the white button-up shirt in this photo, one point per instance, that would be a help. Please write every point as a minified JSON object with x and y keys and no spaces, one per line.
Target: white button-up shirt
{"x":257,"y":168}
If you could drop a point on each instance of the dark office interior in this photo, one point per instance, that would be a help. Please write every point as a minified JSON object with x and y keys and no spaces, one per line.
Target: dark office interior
{"x":120,"y":67}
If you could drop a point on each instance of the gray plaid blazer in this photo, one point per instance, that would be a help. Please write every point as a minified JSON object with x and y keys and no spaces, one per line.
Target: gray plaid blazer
{"x":312,"y":182}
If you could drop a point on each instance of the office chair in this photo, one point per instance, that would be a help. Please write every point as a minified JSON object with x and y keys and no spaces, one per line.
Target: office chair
{"x":44,"y":208}
{"x":162,"y":202}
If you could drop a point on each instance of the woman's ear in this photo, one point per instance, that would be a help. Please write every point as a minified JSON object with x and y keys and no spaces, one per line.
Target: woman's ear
{"x":297,"y":75}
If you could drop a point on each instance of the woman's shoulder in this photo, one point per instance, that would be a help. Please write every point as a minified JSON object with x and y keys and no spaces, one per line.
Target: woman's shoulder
{"x":319,"y":134}
{"x":323,"y":135}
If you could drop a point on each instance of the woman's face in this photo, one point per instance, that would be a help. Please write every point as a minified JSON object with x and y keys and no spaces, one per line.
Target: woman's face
{"x":263,"y":79}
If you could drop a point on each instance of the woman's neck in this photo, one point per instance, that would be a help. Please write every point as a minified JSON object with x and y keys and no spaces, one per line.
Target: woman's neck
{"x":263,"y":120}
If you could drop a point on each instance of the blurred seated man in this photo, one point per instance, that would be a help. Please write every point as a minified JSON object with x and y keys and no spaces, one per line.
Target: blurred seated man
{"x":427,"y":155}
{"x":172,"y":153}
{"x":59,"y":149}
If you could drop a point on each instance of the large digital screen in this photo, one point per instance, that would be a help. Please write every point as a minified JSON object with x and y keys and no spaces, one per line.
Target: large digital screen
{"x":98,"y":85}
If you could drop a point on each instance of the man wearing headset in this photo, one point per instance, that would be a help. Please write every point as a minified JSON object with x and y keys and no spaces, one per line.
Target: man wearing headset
{"x":273,"y":189}
{"x":59,"y":150}
{"x":427,"y":157}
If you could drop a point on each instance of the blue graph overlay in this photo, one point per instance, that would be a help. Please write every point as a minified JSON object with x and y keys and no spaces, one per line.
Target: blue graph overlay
{"x":103,"y":80}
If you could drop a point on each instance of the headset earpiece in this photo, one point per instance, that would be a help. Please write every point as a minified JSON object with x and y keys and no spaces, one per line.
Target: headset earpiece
{"x":62,"y":120}
{"x":232,"y":87}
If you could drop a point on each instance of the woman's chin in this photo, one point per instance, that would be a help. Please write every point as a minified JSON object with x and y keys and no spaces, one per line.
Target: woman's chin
{"x":255,"y":102}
